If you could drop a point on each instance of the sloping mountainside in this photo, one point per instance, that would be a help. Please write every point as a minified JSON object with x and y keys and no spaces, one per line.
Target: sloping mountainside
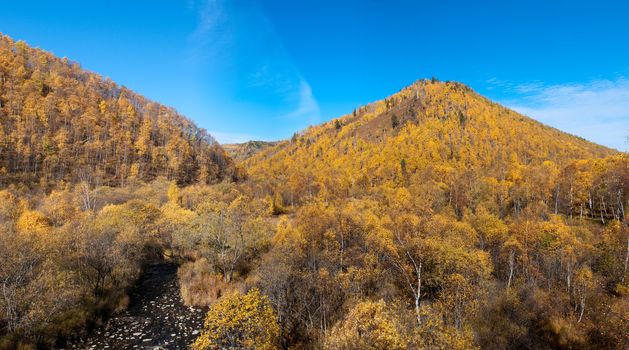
{"x":246,"y":150}
{"x":430,"y":137}
{"x":450,"y":220}
{"x":59,"y":122}
{"x":434,"y":219}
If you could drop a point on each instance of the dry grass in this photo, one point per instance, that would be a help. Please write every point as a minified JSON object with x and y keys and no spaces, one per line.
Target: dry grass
{"x":200,"y":286}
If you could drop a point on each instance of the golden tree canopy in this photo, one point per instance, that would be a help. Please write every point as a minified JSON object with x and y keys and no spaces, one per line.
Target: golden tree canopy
{"x":240,"y":322}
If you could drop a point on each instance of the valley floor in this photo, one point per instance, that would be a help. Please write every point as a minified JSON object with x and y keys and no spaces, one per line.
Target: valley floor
{"x":156,"y":317}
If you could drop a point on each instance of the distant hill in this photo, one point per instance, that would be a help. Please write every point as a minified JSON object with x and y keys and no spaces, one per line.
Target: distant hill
{"x":245,"y":150}
{"x":59,"y":122}
{"x":431,"y":136}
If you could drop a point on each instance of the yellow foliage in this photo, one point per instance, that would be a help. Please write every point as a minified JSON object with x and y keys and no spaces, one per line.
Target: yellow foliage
{"x":173,"y":214}
{"x":173,"y":193}
{"x":368,"y":325}
{"x":240,"y":322}
{"x":156,"y":140}
{"x":32,"y":221}
{"x":434,"y":333}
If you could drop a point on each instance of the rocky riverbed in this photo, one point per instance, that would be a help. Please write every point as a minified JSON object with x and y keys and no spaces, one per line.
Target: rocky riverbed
{"x":156,"y":317}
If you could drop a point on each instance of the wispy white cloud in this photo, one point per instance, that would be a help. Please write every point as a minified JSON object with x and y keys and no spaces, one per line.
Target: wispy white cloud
{"x":211,"y":16}
{"x":597,"y":110}
{"x":271,"y":77}
{"x":211,"y":30}
{"x":308,"y":108}
{"x":250,"y":71}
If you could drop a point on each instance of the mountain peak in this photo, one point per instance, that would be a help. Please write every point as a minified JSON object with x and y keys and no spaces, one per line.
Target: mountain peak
{"x":431,"y":129}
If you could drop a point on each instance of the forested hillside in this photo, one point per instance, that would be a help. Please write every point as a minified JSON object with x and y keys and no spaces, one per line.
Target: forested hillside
{"x":430,"y":138}
{"x":242,"y":151}
{"x":85,"y":168}
{"x":433,"y":219}
{"x":436,"y":219}
{"x":59,"y":122}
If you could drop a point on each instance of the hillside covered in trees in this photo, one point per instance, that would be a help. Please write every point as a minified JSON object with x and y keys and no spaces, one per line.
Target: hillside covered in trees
{"x":433,"y":219}
{"x":429,"y":138}
{"x":59,"y":122}
{"x":85,"y":168}
{"x":437,"y":219}
{"x":242,"y":151}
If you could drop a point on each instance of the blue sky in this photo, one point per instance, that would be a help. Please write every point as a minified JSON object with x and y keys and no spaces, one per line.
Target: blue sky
{"x":264,"y":69}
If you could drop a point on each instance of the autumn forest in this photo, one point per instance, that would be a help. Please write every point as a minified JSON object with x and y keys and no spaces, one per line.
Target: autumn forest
{"x":432,"y":219}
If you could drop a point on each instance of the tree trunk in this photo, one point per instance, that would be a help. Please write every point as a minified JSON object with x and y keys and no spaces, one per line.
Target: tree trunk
{"x":626,"y":261}
{"x":556,"y":200}
{"x":511,"y":267}
{"x":418,"y":293}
